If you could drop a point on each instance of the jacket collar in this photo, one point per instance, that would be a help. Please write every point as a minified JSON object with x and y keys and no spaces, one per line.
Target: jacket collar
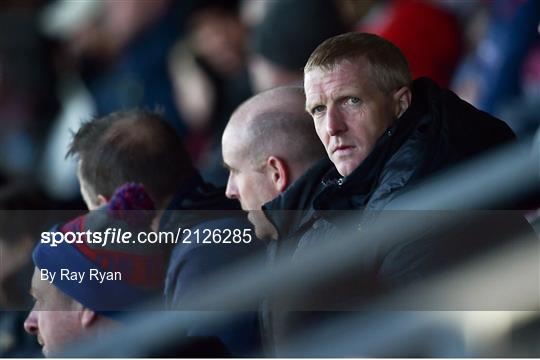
{"x":190,"y":201}
{"x":437,"y":129}
{"x":354,"y":190}
{"x":323,"y":188}
{"x":294,"y":206}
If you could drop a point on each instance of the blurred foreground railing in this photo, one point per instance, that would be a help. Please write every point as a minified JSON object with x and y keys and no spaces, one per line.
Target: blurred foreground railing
{"x":505,"y":174}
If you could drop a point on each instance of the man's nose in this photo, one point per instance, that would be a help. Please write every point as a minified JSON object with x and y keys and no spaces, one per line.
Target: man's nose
{"x":231,"y":191}
{"x":335,"y":122}
{"x":30,"y":323}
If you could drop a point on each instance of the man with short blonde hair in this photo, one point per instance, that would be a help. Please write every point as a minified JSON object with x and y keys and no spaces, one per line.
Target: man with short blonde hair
{"x":389,"y":67}
{"x":383,"y":133}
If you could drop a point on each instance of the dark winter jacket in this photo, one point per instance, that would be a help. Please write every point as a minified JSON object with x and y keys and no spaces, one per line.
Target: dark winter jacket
{"x":200,"y":206}
{"x":437,"y":131}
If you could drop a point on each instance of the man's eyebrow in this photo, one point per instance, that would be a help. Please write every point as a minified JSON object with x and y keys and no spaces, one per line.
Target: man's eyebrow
{"x":310,"y":104}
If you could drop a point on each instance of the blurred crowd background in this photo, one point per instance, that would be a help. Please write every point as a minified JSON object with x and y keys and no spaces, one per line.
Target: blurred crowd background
{"x":66,"y":61}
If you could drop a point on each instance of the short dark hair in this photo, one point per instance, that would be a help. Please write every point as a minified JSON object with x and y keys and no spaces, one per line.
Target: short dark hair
{"x":390,"y":69}
{"x":135,"y":145}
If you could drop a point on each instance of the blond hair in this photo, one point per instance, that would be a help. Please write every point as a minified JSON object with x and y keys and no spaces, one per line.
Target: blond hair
{"x":390,"y":70}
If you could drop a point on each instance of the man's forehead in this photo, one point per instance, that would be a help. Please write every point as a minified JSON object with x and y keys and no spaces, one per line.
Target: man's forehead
{"x":344,"y":77}
{"x":232,"y":143}
{"x":234,"y":130}
{"x":37,"y":285}
{"x":343,"y":68}
{"x":47,"y":292}
{"x":330,"y":85}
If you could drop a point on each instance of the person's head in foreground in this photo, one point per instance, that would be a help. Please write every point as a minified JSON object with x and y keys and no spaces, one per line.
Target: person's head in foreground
{"x":92,"y":284}
{"x":267,"y":144}
{"x":357,"y":85}
{"x":130,"y":146}
{"x":65,"y":321}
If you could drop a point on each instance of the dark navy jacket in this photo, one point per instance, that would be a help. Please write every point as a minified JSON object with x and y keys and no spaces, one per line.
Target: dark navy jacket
{"x":200,"y":206}
{"x":437,"y":131}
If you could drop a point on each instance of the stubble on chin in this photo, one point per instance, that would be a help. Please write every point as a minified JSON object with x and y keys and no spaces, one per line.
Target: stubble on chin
{"x":263,"y":228}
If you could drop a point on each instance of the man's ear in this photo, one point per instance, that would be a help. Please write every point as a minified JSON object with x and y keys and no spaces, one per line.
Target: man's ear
{"x":88,"y":317}
{"x":278,"y":172}
{"x":101,"y":200}
{"x":402,"y":99}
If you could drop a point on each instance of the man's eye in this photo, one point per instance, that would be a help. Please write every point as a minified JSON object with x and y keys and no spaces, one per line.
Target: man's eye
{"x":353,"y":100}
{"x":317,"y":109}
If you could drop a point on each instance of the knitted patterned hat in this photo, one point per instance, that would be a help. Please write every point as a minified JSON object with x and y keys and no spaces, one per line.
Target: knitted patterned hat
{"x":116,"y":275}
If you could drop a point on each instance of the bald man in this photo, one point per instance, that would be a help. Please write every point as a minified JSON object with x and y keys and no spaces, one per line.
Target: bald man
{"x":269,"y":142}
